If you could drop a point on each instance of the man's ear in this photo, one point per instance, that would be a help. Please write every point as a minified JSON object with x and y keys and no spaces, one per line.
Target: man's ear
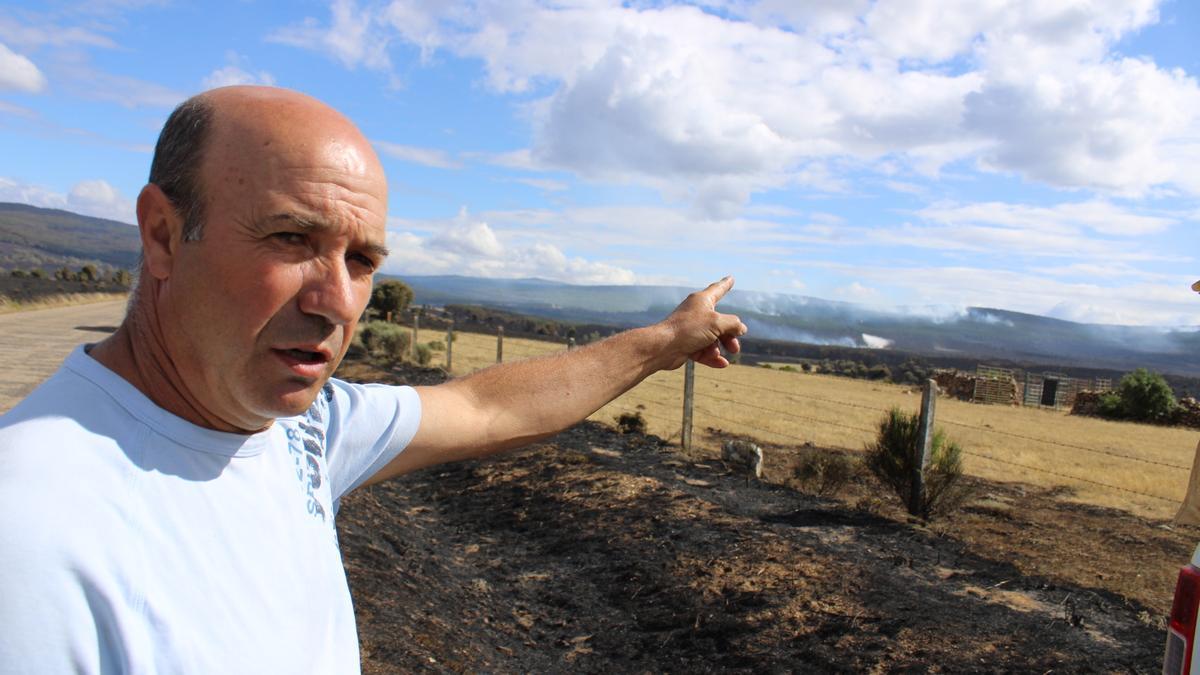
{"x":161,"y":230}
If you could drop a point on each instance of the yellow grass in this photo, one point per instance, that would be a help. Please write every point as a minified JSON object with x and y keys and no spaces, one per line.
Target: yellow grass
{"x":787,"y":409}
{"x":7,"y":304}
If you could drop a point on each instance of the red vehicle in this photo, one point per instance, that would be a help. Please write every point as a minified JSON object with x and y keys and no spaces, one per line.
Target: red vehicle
{"x":1181,"y":632}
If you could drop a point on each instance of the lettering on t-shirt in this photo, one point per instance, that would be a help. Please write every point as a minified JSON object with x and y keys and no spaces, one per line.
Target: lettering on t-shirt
{"x":306,"y":443}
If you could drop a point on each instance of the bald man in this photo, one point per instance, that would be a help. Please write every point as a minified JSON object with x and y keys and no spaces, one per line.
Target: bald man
{"x":167,"y":497}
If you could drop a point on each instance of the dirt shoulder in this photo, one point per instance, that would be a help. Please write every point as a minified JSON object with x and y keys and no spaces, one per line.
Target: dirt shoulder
{"x":597,"y":551}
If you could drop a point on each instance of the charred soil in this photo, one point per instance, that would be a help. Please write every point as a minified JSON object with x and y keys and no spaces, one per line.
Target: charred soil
{"x":597,"y":551}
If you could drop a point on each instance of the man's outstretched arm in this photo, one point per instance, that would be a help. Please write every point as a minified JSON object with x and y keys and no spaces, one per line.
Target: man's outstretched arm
{"x":509,"y":405}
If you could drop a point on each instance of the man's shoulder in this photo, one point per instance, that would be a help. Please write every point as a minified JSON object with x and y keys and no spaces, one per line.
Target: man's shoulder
{"x":62,"y":401}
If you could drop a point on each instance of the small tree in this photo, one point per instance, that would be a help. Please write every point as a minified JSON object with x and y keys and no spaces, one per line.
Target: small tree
{"x":37,"y":273}
{"x":1141,"y":396}
{"x":89,"y":273}
{"x":390,"y":296}
{"x":893,"y":454}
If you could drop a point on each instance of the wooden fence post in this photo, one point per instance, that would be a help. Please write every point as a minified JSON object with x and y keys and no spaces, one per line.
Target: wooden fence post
{"x":689,"y":390}
{"x":924,"y":448}
{"x":389,"y":317}
{"x":450,"y":347}
{"x":499,"y":344}
{"x":416,"y":332}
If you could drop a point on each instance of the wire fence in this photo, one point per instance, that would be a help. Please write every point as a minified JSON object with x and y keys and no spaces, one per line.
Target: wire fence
{"x":737,"y":412}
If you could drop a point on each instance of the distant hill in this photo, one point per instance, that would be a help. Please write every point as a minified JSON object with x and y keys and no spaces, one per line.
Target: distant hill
{"x":49,"y":238}
{"x":35,"y":237}
{"x":974,"y":333}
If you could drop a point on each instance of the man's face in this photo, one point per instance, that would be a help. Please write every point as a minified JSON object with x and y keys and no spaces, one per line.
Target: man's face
{"x":258,"y":313}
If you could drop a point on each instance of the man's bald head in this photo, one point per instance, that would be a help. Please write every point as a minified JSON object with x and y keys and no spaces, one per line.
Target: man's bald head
{"x":245,"y":117}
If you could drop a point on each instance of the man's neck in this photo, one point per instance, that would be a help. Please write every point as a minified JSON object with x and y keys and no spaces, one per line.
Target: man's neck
{"x":138,"y":353}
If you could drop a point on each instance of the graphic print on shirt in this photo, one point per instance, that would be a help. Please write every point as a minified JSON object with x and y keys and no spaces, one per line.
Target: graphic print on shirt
{"x":306,"y":443}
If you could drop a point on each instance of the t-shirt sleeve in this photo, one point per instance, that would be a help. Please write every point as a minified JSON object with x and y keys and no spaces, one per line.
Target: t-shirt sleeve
{"x":367,"y":426}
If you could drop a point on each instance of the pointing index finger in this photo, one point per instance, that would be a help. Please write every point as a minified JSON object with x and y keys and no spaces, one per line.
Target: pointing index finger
{"x":717,"y":289}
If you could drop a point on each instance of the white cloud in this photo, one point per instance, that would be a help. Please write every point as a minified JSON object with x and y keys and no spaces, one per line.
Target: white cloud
{"x":471,"y":247}
{"x":547,"y":184}
{"x":430,"y":157}
{"x":129,"y":92}
{"x":18,"y":73}
{"x":712,"y":107}
{"x":350,"y":39}
{"x":1100,"y":299}
{"x":858,"y":293}
{"x":98,"y":198}
{"x":93,"y":197}
{"x":234,"y":73}
{"x":1099,"y":216}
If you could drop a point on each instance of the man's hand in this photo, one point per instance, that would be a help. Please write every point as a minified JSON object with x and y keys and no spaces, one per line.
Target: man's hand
{"x":698,"y":330}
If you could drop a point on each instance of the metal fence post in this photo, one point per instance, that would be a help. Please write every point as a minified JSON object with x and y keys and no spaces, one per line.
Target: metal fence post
{"x":450,"y":347}
{"x":689,"y":390}
{"x":916,"y":501}
{"x":499,"y":344}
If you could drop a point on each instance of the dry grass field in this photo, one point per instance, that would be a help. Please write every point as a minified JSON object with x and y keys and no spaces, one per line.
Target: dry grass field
{"x":8,"y":304}
{"x":782,"y":409}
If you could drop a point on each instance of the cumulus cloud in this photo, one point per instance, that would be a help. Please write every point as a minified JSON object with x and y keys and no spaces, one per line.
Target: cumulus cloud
{"x":471,"y":247}
{"x":92,"y":197}
{"x":712,"y":107}
{"x":350,"y":38}
{"x":98,"y":198}
{"x":18,"y":73}
{"x":234,"y":72}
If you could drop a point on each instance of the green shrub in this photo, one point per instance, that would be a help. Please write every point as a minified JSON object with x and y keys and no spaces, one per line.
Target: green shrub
{"x":890,"y":458}
{"x":1141,"y":396}
{"x":437,"y":345}
{"x":788,"y":369}
{"x":423,"y":354}
{"x":385,"y":339}
{"x":824,"y":472}
{"x":631,"y":423}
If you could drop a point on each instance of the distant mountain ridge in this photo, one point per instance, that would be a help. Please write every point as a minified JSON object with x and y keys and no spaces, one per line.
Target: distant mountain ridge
{"x":32,"y":236}
{"x":980,"y":332}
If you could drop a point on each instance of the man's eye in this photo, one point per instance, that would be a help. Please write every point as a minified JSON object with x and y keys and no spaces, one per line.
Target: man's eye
{"x":289,"y":237}
{"x":363,"y":260}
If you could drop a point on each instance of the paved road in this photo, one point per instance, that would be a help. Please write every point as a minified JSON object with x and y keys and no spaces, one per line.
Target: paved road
{"x":34,"y":343}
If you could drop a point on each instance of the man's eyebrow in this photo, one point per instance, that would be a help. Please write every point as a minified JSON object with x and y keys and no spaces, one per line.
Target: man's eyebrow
{"x":308,"y":224}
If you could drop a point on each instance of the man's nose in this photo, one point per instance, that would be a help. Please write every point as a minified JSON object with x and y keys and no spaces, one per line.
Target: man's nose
{"x":329,"y":292}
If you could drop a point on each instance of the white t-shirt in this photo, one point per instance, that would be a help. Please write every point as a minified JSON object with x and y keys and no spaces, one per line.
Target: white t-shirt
{"x":132,"y":541}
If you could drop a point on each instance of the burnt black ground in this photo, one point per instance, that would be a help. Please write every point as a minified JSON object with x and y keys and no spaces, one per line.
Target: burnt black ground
{"x":602,"y":552}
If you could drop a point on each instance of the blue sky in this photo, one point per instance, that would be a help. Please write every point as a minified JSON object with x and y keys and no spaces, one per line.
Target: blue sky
{"x":1033,"y":156}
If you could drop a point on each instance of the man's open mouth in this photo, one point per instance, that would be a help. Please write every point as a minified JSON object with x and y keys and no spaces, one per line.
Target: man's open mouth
{"x":304,"y":356}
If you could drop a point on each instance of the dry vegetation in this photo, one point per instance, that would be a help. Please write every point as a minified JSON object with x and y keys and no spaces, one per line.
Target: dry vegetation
{"x":790,"y":409}
{"x":8,"y":304}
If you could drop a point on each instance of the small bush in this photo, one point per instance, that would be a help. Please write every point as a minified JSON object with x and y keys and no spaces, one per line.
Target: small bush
{"x":385,"y":339}
{"x":437,"y":345}
{"x":890,"y":458}
{"x":631,"y":423}
{"x":824,"y":472}
{"x":423,"y":354}
{"x":788,"y":369}
{"x":1142,"y":396}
